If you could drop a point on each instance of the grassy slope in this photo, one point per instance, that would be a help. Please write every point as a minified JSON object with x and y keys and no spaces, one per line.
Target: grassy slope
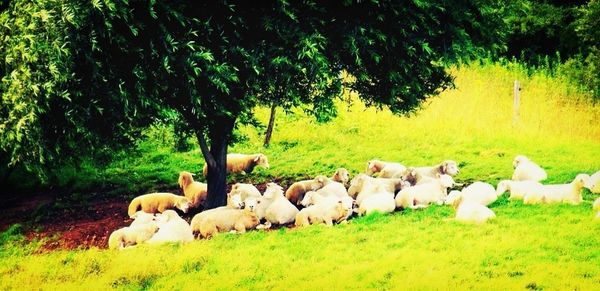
{"x":549,"y":246}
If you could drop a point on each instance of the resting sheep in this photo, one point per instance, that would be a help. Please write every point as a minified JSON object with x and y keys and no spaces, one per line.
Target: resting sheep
{"x":333,"y":188}
{"x":233,"y":202}
{"x":315,"y":198}
{"x":323,"y":212}
{"x":171,"y":228}
{"x":131,"y":235}
{"x":194,"y":191}
{"x":225,"y":220}
{"x":158,"y":202}
{"x":472,"y":212}
{"x":594,"y":183}
{"x":241,"y":163}
{"x":363,"y":185}
{"x":518,"y":189}
{"x":526,"y":170}
{"x":478,"y":192}
{"x":142,"y":217}
{"x":381,"y":201}
{"x":418,"y":175}
{"x":559,"y":193}
{"x":385,"y":169}
{"x":280,"y":210}
{"x":422,"y":195}
{"x":296,"y":191}
{"x":245,"y":190}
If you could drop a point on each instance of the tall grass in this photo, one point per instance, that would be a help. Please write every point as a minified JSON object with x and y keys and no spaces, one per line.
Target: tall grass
{"x":531,"y":247}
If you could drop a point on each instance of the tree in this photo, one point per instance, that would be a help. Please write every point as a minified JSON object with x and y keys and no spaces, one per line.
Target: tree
{"x":129,"y":62}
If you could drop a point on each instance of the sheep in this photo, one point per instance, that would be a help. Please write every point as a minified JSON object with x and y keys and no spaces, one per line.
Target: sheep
{"x":526,"y":170}
{"x":362,"y":185}
{"x":296,"y":191}
{"x":243,"y":164}
{"x":596,"y":207}
{"x":142,"y":217}
{"x":341,"y":175}
{"x":233,"y":202}
{"x":421,"y":175}
{"x":478,"y":192}
{"x":381,"y":201}
{"x":314,"y":198}
{"x":280,"y":210}
{"x":472,"y":212}
{"x":518,"y":189}
{"x":195,"y":191}
{"x":158,"y":202}
{"x":559,"y":193}
{"x":333,"y":188}
{"x":422,"y":195}
{"x":385,"y":169}
{"x":593,"y":183}
{"x":171,"y":228}
{"x":131,"y":235}
{"x":245,"y":190}
{"x":227,"y":219}
{"x":325,"y":213}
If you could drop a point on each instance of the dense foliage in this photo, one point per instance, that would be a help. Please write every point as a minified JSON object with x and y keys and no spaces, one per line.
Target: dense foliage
{"x":86,"y":75}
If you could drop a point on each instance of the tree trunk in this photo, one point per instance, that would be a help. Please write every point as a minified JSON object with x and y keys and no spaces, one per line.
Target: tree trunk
{"x":216,"y":161}
{"x":270,"y":126}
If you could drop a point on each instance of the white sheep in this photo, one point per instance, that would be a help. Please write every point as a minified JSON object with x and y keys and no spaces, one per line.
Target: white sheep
{"x":596,"y":207}
{"x":296,"y":191}
{"x":313,"y":198}
{"x":363,"y":186}
{"x":245,"y":190}
{"x":194,"y":191}
{"x":518,"y":189}
{"x":322,"y":212}
{"x":341,"y":175}
{"x":142,"y":217}
{"x":385,"y":169}
{"x":382,"y":201}
{"x":419,"y":175}
{"x":241,"y":163}
{"x":227,"y":219}
{"x":333,"y":188}
{"x":472,"y":212}
{"x":422,"y":195}
{"x":478,"y":192}
{"x":280,"y":210}
{"x":559,"y":193}
{"x":132,"y":235}
{"x":527,"y":170}
{"x":171,"y":228}
{"x":593,"y":183}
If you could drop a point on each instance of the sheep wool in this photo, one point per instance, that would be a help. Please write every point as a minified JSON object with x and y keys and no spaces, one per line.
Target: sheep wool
{"x":158,"y":202}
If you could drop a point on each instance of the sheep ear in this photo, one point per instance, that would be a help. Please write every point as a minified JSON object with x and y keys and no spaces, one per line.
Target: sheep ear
{"x":257,"y":158}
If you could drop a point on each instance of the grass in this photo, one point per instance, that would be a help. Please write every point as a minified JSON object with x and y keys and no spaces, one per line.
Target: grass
{"x":526,"y":247}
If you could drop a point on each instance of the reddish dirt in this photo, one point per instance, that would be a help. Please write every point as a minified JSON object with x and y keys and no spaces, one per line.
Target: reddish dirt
{"x":75,"y":225}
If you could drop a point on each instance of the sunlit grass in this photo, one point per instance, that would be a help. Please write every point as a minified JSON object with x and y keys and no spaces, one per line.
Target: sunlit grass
{"x":525,"y":247}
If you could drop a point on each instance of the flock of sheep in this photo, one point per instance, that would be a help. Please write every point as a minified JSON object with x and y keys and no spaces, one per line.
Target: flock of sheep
{"x":384,"y":187}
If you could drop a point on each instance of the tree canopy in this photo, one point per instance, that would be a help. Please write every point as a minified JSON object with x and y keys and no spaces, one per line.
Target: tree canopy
{"x":80,"y":76}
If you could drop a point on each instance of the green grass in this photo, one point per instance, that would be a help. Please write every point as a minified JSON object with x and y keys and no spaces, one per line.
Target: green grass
{"x":526,"y":247}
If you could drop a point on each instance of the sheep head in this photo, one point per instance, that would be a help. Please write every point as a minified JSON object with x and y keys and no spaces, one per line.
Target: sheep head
{"x":446,"y":181}
{"x":518,"y":160}
{"x":449,"y":167}
{"x":373,"y":166}
{"x":251,"y":203}
{"x":273,"y":190}
{"x":185,"y":178}
{"x":183,"y":204}
{"x":235,"y":201}
{"x":261,"y":160}
{"x":341,"y":175}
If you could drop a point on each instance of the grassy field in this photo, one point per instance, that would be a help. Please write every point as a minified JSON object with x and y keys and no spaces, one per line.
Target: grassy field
{"x":532,"y":247}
